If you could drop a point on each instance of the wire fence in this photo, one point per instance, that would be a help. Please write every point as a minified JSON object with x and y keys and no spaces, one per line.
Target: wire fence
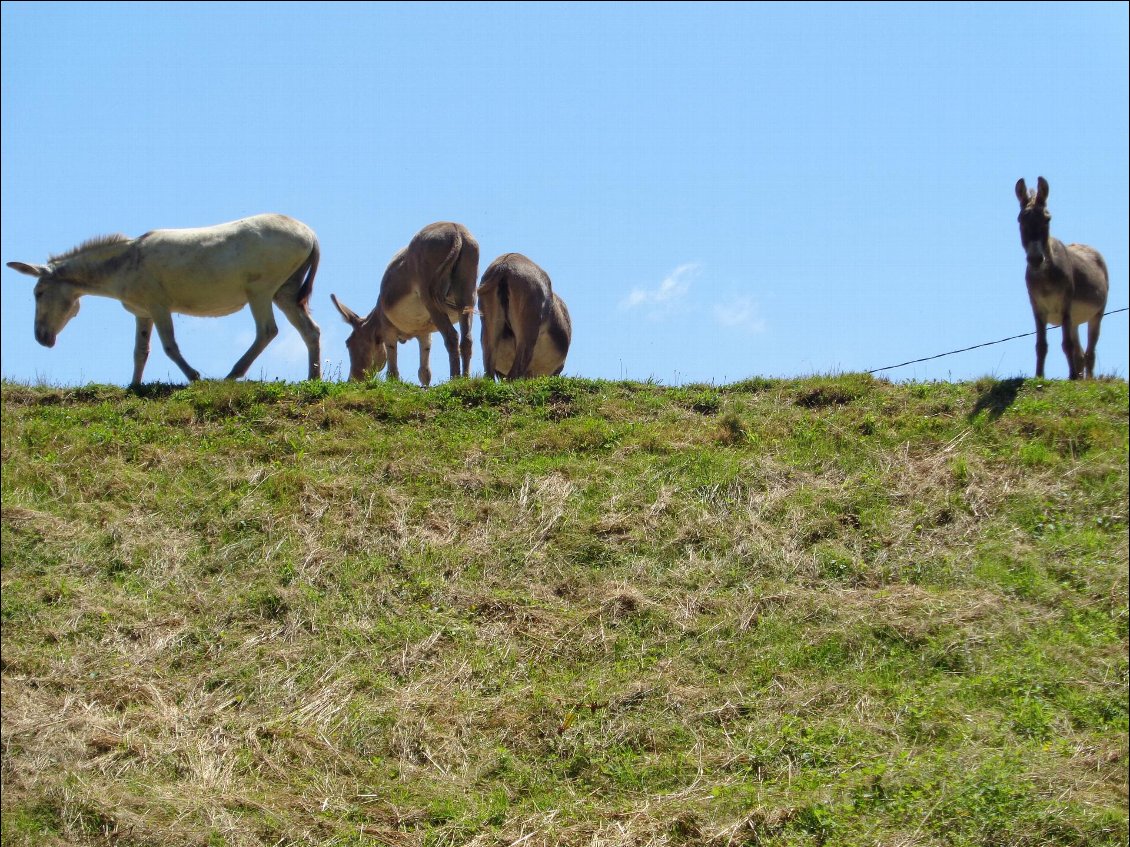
{"x":975,"y":346}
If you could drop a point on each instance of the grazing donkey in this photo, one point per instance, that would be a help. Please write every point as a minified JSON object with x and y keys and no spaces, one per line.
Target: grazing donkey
{"x":1066,"y":283}
{"x":526,"y":327}
{"x":426,"y":287}
{"x":209,"y":272}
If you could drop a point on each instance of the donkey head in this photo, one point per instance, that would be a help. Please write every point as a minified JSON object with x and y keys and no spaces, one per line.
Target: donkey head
{"x":1035,"y":220}
{"x":366,"y":351}
{"x":56,"y":300}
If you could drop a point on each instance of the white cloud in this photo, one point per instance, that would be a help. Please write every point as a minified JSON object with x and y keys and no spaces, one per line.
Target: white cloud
{"x":741,"y":312}
{"x":667,"y":293}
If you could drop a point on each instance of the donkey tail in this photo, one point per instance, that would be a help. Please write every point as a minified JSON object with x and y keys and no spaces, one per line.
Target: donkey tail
{"x":445,"y":268}
{"x":446,"y":277}
{"x":496,"y":285}
{"x":310,"y":268}
{"x":504,"y":295}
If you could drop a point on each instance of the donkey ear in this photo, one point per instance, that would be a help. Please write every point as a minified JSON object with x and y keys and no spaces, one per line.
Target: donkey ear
{"x":1022,"y":192}
{"x":347,"y":313}
{"x":30,"y":270}
{"x":1041,"y":191}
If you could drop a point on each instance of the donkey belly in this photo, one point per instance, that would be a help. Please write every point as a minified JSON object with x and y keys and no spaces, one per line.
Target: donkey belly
{"x":209,"y":301}
{"x":202,"y":301}
{"x":1049,"y":304}
{"x":1082,"y":311}
{"x":411,"y":318}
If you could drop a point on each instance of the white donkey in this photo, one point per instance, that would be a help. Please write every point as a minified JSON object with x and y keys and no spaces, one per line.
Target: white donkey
{"x":209,"y":272}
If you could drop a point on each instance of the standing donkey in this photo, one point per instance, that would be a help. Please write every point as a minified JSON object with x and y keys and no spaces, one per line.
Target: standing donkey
{"x":526,"y":327}
{"x":208,"y":272}
{"x":1066,"y":283}
{"x":427,"y":286}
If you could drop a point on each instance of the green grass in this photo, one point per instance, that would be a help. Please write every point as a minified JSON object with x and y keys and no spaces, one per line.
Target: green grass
{"x":826,"y":611}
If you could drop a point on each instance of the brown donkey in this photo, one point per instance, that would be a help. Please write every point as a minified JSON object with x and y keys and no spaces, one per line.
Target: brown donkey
{"x":428,"y":286}
{"x":526,"y":327}
{"x":1066,"y":283}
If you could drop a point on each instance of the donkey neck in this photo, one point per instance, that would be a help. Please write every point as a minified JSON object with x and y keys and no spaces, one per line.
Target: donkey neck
{"x":375,"y":323}
{"x":1053,"y":257}
{"x":1052,"y":276}
{"x":99,"y":268}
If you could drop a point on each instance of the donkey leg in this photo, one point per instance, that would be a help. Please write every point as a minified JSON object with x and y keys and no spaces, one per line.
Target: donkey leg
{"x":526,"y":315}
{"x":1092,"y":341}
{"x":492,"y":323}
{"x":529,"y":307}
{"x":524,"y":342}
{"x":1069,"y":345}
{"x":300,"y":319}
{"x":393,"y":370}
{"x":265,"y":331}
{"x":1076,"y":352}
{"x":141,"y":348}
{"x":163,"y":320}
{"x":464,"y":277}
{"x":425,"y":372}
{"x":465,"y":344}
{"x":1041,"y":345}
{"x":488,"y":353}
{"x":450,"y":337}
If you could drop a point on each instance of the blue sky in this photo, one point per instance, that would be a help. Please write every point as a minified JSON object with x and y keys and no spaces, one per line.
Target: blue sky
{"x":718,"y":191}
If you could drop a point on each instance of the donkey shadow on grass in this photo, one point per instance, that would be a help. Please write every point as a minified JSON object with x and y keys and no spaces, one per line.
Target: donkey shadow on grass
{"x":997,"y":397}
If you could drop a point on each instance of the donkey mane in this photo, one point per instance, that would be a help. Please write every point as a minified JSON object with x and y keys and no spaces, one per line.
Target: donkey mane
{"x":90,"y":244}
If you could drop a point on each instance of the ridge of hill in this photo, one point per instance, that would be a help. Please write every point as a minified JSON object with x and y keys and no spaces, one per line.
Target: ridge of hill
{"x":823,"y":611}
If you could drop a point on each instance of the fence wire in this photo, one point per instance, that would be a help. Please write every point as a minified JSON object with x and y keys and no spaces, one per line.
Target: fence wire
{"x":975,"y":346}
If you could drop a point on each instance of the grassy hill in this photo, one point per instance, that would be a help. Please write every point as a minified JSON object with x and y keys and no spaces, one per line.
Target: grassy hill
{"x":829,"y":611}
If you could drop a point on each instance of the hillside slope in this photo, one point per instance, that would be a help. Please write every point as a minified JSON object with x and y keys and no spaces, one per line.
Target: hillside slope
{"x":564,"y":612}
